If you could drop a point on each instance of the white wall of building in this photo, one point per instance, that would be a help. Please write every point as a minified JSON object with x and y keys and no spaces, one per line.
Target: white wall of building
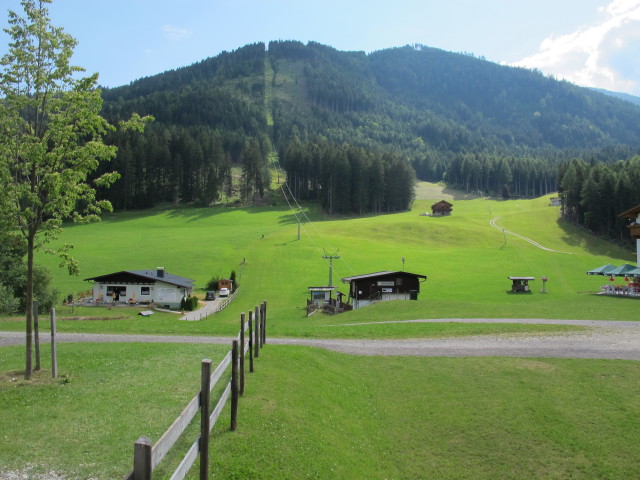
{"x":385,"y":297}
{"x":161,"y":293}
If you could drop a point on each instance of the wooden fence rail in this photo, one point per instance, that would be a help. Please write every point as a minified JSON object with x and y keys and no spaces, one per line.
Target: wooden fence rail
{"x":147,"y":456}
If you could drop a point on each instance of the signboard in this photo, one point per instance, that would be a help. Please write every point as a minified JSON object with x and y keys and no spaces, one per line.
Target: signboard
{"x":387,"y":290}
{"x":166,"y":295}
{"x":386,"y":283}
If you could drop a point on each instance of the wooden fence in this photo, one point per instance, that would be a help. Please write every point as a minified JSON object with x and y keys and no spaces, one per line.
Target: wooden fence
{"x":147,"y":455}
{"x":221,"y":306}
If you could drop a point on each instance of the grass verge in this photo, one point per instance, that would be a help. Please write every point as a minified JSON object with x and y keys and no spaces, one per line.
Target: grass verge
{"x":309,"y":413}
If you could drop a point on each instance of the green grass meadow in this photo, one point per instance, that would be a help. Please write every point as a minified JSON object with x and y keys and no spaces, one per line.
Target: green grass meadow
{"x":310,"y":413}
{"x":465,"y":259}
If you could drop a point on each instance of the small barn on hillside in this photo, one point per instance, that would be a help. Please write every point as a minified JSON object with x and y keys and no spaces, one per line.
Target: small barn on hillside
{"x":383,"y":286}
{"x":141,"y":286}
{"x":441,"y":209}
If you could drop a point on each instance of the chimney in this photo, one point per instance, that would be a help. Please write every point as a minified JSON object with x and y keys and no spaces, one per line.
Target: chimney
{"x":160,"y":272}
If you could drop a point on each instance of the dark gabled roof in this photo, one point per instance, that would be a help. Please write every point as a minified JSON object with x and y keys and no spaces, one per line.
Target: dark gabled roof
{"x":442,"y":205}
{"x":150,"y":275}
{"x":632,"y":213}
{"x":385,"y":273}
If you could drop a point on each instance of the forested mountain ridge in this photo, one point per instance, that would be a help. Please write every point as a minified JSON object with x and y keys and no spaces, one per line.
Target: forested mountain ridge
{"x":334,"y":117}
{"x":624,"y":96}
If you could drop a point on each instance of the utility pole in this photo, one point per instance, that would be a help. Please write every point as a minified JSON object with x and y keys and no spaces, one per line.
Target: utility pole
{"x":331,"y":258}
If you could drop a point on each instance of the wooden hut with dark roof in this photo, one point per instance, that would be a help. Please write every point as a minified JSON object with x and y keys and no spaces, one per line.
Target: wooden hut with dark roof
{"x":441,"y":209}
{"x":383,"y":286}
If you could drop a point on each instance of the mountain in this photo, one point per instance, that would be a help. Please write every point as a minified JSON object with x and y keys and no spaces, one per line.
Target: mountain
{"x":477,"y":124}
{"x":624,"y":96}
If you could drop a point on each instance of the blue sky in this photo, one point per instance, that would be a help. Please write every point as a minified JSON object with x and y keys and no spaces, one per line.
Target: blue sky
{"x":589,"y":42}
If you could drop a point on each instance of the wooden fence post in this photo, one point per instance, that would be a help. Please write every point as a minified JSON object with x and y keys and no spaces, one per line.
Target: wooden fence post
{"x":259,"y":321}
{"x":205,"y":402}
{"x":264,"y":322}
{"x":256,"y":340}
{"x":241,"y":391}
{"x":250,"y":341}
{"x":234,"y":385}
{"x":142,"y":459}
{"x":54,"y":347}
{"x":36,"y":332}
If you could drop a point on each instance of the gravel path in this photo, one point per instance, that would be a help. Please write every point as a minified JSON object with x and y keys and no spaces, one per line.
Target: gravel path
{"x":493,"y":221}
{"x":600,"y":339}
{"x":209,"y":308}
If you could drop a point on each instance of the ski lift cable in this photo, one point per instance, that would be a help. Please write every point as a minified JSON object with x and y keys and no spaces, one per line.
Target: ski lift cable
{"x":303,"y":213}
{"x":302,"y":224}
{"x":349,"y":267}
{"x":288,"y":203}
{"x":306,"y":217}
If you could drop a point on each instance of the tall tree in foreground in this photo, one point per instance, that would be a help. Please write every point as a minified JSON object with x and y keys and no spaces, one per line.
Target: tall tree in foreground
{"x":51,"y":139}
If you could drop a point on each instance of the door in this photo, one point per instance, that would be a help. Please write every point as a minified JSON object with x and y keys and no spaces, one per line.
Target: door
{"x":117,"y":293}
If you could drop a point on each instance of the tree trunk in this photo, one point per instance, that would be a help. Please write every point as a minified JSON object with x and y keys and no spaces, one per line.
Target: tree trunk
{"x":28,"y":371}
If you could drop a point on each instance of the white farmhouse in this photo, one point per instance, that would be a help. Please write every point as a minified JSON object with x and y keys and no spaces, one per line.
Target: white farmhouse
{"x":142,"y":286}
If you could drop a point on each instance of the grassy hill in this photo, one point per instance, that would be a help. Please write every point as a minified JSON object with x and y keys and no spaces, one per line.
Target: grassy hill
{"x":465,"y":259}
{"x":318,"y":414}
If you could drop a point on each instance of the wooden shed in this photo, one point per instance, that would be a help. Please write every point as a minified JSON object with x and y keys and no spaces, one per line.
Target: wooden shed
{"x":383,"y":286}
{"x":321,"y":300}
{"x":520,"y":284}
{"x":441,"y":209}
{"x":225,"y":283}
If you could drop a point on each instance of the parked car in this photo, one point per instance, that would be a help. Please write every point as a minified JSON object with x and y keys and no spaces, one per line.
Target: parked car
{"x":210,"y":295}
{"x":224,"y":292}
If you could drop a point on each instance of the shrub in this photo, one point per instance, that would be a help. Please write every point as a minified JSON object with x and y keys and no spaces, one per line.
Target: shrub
{"x":43,"y":291}
{"x":213,"y":283}
{"x":193,"y":303}
{"x":232,"y":277}
{"x":8,"y":303}
{"x":189,"y":304}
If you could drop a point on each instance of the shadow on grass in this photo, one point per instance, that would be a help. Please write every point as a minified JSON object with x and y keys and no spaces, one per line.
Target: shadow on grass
{"x":191,"y":213}
{"x":312,"y":212}
{"x":459,"y":194}
{"x":194,"y":214}
{"x":580,"y":238}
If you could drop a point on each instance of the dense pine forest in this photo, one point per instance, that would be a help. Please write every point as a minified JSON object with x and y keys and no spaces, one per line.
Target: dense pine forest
{"x":594,"y":193}
{"x":353,"y":131}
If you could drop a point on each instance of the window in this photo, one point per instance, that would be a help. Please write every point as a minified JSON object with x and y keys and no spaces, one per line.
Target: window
{"x":145,"y":290}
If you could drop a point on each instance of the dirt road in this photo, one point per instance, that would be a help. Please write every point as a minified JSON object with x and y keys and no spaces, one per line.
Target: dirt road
{"x":600,"y":339}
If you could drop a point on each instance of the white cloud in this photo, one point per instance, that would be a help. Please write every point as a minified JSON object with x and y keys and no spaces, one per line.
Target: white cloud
{"x":175,"y":33}
{"x":602,"y":55}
